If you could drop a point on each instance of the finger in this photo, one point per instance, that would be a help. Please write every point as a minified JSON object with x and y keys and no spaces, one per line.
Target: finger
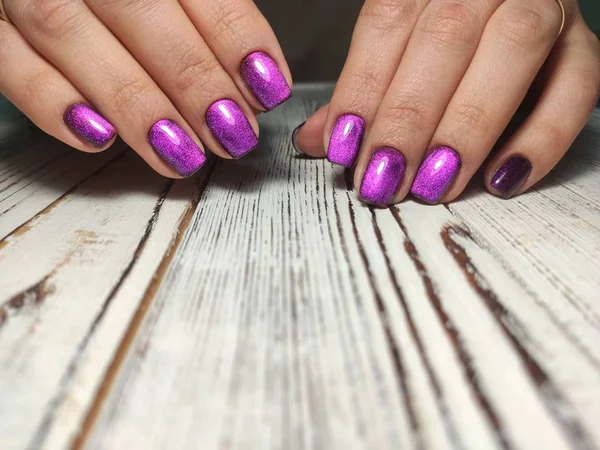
{"x":380,"y":38}
{"x":185,"y":69}
{"x":440,"y":50}
{"x":44,"y":95}
{"x":515,"y":44}
{"x":572,"y":89}
{"x":307,"y":138}
{"x":246,"y":47}
{"x":68,"y":34}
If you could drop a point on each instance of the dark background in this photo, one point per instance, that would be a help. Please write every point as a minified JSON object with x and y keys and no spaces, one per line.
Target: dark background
{"x":315,"y":34}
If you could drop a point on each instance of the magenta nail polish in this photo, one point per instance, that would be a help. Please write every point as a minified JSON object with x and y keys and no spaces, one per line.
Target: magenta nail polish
{"x":509,"y":178}
{"x":436,"y":174}
{"x":265,"y":80}
{"x":346,"y":139}
{"x":383,"y":176}
{"x":89,"y":125}
{"x":231,"y":128}
{"x":176,"y":147}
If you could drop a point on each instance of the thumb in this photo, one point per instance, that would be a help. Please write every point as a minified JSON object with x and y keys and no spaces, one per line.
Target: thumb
{"x":308,"y":137}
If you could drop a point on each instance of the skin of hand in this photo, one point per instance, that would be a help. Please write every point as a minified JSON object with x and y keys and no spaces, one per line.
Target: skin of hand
{"x":164,"y":75}
{"x":430,"y":86}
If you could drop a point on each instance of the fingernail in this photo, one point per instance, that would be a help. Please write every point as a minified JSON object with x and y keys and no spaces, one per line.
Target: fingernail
{"x":265,"y":80}
{"x":436,"y":174}
{"x":383,"y":176}
{"x":176,"y":147}
{"x":509,"y":178}
{"x":294,"y":138}
{"x":231,"y":128}
{"x":346,"y":139}
{"x":89,"y":125}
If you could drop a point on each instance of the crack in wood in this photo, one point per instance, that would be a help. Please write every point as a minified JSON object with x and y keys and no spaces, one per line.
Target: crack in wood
{"x":453,"y":334}
{"x":125,"y":345}
{"x":42,"y":430}
{"x":439,"y":397}
{"x":395,"y":353}
{"x":511,"y":326}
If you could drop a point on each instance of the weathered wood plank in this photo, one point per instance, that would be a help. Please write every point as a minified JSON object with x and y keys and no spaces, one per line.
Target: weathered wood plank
{"x":71,"y":279}
{"x":294,"y":317}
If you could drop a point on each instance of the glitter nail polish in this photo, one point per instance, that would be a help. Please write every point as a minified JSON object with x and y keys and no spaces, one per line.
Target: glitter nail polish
{"x":265,"y":80}
{"x":89,"y":125}
{"x":176,"y":147}
{"x":231,"y":128}
{"x":436,"y":174}
{"x":294,"y":138}
{"x":383,"y":176}
{"x":509,"y":178}
{"x":346,"y":139}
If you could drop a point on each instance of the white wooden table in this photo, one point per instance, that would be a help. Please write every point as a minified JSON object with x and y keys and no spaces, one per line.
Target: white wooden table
{"x":259,"y":305}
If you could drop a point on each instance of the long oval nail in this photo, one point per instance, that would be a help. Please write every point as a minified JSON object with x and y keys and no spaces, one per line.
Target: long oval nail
{"x":346,"y":139}
{"x":509,"y":178}
{"x":88,"y":125}
{"x":383,"y":176}
{"x":265,"y":80}
{"x":436,"y":174}
{"x":176,"y":147}
{"x":231,"y":128}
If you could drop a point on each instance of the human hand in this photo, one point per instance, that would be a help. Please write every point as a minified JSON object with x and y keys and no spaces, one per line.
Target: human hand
{"x":429,"y":86}
{"x":164,"y":75}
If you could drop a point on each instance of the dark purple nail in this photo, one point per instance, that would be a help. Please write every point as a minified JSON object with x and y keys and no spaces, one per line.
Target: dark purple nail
{"x":265,"y":80}
{"x":89,"y":125}
{"x":231,"y":128}
{"x":383,"y":176}
{"x":509,"y":178}
{"x":436,"y":174}
{"x":346,"y":138}
{"x":176,"y":147}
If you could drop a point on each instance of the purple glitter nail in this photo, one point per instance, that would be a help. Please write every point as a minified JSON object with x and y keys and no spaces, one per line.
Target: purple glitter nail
{"x":265,"y":80}
{"x":176,"y":147}
{"x":383,"y":176}
{"x":89,"y":125}
{"x":346,"y":139}
{"x":509,"y":178}
{"x":436,"y":174}
{"x":231,"y":128}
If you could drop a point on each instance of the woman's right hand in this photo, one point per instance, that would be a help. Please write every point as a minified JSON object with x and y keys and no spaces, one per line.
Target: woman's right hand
{"x":164,"y":75}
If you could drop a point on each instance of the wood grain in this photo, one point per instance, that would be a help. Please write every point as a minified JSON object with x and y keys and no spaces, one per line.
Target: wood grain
{"x":287,"y":315}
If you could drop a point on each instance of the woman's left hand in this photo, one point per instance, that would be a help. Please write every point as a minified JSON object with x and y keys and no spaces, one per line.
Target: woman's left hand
{"x":433,"y":84}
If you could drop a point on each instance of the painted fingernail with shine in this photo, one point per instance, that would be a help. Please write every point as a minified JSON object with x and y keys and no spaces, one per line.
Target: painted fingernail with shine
{"x":231,"y":128}
{"x":89,"y":125}
{"x":383,"y":176}
{"x":509,"y":178}
{"x":346,"y":139}
{"x":436,"y":174}
{"x":265,"y":80}
{"x":176,"y":147}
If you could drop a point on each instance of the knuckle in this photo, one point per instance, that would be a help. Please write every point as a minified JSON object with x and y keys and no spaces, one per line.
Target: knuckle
{"x":406,"y":114}
{"x":229,"y":19}
{"x":452,"y":22}
{"x":389,"y":16}
{"x":51,"y":18}
{"x":527,"y":28}
{"x":129,"y":96}
{"x":473,"y":116}
{"x":196,"y":71}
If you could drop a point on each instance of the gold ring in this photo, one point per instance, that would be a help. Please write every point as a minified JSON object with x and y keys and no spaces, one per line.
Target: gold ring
{"x":3,"y":15}
{"x":564,"y":15}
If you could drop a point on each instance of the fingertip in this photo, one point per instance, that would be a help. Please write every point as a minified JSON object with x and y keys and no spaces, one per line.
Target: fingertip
{"x":307,"y":138}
